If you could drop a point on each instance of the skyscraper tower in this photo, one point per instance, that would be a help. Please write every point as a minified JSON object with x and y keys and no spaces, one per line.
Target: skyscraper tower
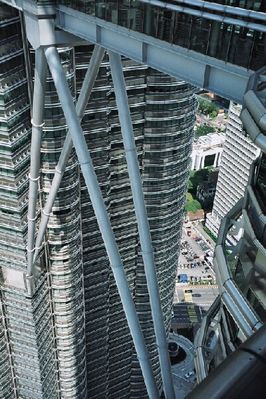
{"x":78,"y":318}
{"x":238,"y":154}
{"x":27,"y":343}
{"x":71,"y":338}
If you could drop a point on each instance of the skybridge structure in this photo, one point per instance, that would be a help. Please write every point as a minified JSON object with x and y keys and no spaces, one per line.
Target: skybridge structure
{"x":217,"y":47}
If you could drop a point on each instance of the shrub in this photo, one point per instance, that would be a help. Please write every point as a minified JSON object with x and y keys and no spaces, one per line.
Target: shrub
{"x":208,"y":108}
{"x":192,"y":205}
{"x":203,"y":130}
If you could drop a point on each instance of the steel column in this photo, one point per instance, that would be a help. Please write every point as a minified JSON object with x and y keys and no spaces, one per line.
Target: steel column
{"x":243,"y":305}
{"x":226,"y":331}
{"x":83,"y":99}
{"x":36,"y":136}
{"x":142,"y":219}
{"x":102,"y":217}
{"x":236,"y":314}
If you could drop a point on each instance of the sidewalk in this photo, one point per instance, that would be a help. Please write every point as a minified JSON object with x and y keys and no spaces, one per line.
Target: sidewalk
{"x":195,"y":286}
{"x":209,"y":241}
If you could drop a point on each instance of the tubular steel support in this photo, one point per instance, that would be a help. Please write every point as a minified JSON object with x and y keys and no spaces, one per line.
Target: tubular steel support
{"x":237,"y":316}
{"x":83,"y":99}
{"x":142,"y":219}
{"x":37,"y":124}
{"x":241,"y":375}
{"x":102,"y":217}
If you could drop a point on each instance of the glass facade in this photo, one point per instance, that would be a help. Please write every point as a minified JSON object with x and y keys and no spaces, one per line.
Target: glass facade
{"x":151,"y":97}
{"x":235,"y":44}
{"x":71,"y":339}
{"x":63,"y":249}
{"x":89,"y":350}
{"x":14,"y":145}
{"x":26,"y":338}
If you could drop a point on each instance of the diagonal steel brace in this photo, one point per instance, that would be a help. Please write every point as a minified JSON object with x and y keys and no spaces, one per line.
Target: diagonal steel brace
{"x":102,"y":217}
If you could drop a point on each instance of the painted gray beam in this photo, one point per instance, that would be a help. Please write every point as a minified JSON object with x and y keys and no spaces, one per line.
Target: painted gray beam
{"x":102,"y":217}
{"x":34,"y":175}
{"x":239,"y":319}
{"x":83,"y":99}
{"x":142,"y":220}
{"x":224,"y":79}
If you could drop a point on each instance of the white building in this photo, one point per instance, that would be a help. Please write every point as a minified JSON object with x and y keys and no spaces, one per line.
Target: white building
{"x":238,"y":154}
{"x":207,"y":151}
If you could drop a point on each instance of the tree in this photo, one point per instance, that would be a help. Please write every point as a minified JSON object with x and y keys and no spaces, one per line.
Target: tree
{"x":202,"y":130}
{"x":192,"y":205}
{"x":213,"y":114}
{"x":208,"y":108}
{"x":196,"y":177}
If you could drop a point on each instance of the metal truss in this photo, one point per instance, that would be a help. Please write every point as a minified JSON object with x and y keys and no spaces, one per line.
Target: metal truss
{"x":75,"y":137}
{"x":86,"y":89}
{"x":102,"y":217}
{"x":253,"y":114}
{"x":225,"y":79}
{"x":241,"y":375}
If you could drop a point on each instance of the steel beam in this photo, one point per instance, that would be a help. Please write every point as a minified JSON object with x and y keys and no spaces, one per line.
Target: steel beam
{"x":142,"y":220}
{"x":220,"y":77}
{"x":34,"y":175}
{"x":224,"y":79}
{"x":83,"y":99}
{"x":102,"y":217}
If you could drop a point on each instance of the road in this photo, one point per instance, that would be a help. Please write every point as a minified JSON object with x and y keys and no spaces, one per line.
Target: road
{"x":202,"y":296}
{"x":209,"y":241}
{"x":196,"y":253}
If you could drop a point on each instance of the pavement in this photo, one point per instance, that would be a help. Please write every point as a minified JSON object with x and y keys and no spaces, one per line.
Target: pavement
{"x":201,"y":271}
{"x":195,"y":244}
{"x":202,"y":295}
{"x":196,"y":253}
{"x":191,"y":301}
{"x":209,"y":241}
{"x":207,"y":296}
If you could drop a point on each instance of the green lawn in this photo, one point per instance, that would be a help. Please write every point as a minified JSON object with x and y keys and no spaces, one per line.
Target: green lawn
{"x":192,"y":205}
